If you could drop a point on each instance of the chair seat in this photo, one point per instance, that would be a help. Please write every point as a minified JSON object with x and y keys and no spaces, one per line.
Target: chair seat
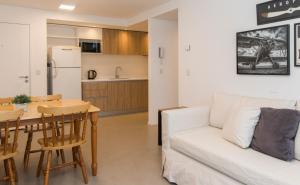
{"x":59,"y":145}
{"x":9,"y":153}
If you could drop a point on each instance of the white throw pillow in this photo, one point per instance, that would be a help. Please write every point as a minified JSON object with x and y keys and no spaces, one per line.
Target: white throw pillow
{"x":240,"y":125}
{"x":221,"y":108}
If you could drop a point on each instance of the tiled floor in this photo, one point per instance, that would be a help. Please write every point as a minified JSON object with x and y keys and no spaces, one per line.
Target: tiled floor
{"x":127,"y":155}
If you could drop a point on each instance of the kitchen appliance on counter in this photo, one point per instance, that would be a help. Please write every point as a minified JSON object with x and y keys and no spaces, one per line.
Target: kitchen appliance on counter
{"x":92,"y":74}
{"x":64,"y":71}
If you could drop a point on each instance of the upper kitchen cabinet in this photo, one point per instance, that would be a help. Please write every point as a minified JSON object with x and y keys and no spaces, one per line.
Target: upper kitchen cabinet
{"x":125,"y":42}
{"x":89,"y":33}
{"x":110,"y":39}
{"x":144,"y":44}
{"x":60,"y":35}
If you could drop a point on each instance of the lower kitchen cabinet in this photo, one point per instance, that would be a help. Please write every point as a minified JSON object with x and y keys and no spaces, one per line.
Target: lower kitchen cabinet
{"x":117,"y":96}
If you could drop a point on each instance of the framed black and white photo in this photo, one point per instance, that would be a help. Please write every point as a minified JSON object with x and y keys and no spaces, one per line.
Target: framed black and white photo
{"x":297,"y":44}
{"x":264,"y":51}
{"x":279,"y":10}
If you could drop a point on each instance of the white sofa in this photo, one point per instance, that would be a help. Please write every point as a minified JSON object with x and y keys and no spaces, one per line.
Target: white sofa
{"x":195,"y":153}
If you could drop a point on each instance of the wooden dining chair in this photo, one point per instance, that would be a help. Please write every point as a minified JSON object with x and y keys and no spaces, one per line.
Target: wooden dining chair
{"x":55,"y":97}
{"x":72,"y":136}
{"x":8,"y":147}
{"x":6,"y":104}
{"x":30,"y":130}
{"x":5,"y":101}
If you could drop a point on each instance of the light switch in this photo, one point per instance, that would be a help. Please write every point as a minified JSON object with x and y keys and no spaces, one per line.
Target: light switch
{"x":161,"y":71}
{"x":188,"y":72}
{"x":38,"y":72}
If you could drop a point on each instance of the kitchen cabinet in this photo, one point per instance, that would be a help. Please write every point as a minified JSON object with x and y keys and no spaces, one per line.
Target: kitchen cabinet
{"x":96,"y":93}
{"x":125,"y":42}
{"x":89,"y":33}
{"x":144,"y":44}
{"x":110,"y":41}
{"x":116,"y":97}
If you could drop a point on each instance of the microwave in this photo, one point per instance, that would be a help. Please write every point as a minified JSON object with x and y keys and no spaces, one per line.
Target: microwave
{"x":90,"y":46}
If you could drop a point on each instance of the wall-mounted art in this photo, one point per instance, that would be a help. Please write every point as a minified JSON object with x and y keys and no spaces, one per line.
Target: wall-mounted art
{"x":263,"y":51}
{"x":297,"y":44}
{"x":279,"y":10}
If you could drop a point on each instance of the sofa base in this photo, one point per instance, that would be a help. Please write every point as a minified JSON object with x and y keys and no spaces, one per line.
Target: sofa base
{"x":182,"y":170}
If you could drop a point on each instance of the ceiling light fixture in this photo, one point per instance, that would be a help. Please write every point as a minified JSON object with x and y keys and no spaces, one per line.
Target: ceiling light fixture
{"x":69,"y":7}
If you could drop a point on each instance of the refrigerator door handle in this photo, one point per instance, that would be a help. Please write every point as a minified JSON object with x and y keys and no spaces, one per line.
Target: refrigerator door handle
{"x":54,"y":68}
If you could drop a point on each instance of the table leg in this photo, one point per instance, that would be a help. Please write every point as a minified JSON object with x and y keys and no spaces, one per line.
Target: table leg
{"x":94,"y":121}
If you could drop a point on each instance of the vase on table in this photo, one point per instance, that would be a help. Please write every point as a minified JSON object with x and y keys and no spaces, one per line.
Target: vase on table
{"x":23,"y":106}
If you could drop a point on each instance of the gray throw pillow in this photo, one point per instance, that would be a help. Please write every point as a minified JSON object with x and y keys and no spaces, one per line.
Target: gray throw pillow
{"x":275,"y":133}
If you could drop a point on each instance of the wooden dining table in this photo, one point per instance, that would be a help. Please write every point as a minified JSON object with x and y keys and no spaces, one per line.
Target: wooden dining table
{"x":32,"y":117}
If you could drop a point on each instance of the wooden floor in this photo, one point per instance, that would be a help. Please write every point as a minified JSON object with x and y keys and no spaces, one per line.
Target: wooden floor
{"x":128,"y":155}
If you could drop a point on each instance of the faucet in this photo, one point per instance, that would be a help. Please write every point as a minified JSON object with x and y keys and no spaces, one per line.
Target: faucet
{"x":117,"y":71}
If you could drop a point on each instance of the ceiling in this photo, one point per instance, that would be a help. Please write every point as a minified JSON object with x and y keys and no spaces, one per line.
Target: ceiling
{"x":170,"y":16}
{"x":106,"y":8}
{"x":142,"y":26}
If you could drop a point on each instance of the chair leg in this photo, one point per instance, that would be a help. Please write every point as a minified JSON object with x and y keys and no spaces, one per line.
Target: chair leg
{"x":74,"y":153}
{"x":57,"y":153}
{"x":11,"y":173}
{"x":40,"y":166}
{"x":82,"y":165}
{"x":6,"y":168}
{"x":48,"y":166}
{"x":58,"y":134}
{"x":62,"y":154}
{"x":27,"y":149}
{"x":14,"y":169}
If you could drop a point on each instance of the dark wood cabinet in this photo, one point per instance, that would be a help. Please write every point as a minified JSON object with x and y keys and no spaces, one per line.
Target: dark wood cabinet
{"x":117,"y":96}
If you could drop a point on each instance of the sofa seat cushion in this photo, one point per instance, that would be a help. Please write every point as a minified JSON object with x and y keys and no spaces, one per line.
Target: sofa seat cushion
{"x":207,"y":146}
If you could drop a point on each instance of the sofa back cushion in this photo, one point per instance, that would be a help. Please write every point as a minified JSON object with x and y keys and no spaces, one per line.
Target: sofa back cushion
{"x":223,"y":104}
{"x":266,"y":102}
{"x":221,"y":108}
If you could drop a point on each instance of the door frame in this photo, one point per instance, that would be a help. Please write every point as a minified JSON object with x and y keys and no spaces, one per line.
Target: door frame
{"x":29,"y":47}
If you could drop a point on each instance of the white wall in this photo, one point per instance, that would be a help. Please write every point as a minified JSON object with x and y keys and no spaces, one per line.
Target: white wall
{"x":132,"y":66}
{"x":163,"y":73}
{"x":37,"y":20}
{"x":210,"y":27}
{"x":38,"y":48}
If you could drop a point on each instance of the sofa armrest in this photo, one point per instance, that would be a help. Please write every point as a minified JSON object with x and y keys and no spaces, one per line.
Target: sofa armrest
{"x":177,"y":120}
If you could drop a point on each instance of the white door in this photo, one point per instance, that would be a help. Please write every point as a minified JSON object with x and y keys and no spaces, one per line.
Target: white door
{"x":66,"y":56}
{"x":67,"y":81}
{"x":14,"y":59}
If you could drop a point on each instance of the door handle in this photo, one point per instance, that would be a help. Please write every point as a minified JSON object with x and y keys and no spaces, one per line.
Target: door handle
{"x":26,"y":77}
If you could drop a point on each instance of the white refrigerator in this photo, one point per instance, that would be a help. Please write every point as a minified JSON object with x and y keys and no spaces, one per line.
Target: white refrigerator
{"x":64,"y":71}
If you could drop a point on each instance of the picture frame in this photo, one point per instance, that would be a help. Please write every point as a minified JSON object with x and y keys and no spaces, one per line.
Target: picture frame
{"x":297,"y":45}
{"x":263,"y":51}
{"x":275,"y":11}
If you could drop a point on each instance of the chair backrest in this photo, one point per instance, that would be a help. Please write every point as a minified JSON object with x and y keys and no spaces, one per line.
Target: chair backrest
{"x":46,"y":98}
{"x":5,"y":101}
{"x":56,"y":117}
{"x":8,"y":120}
{"x":6,"y":104}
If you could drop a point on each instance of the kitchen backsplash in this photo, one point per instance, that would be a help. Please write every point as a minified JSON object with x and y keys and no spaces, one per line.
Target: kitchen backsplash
{"x":132,"y":66}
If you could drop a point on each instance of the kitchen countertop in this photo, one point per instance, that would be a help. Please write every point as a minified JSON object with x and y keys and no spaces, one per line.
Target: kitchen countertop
{"x":115,"y":79}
